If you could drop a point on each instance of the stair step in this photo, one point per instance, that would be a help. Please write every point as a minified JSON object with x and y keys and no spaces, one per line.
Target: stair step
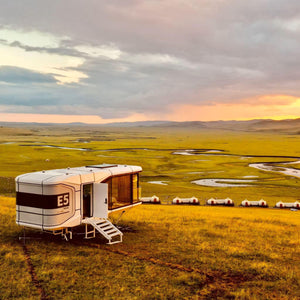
{"x":102,"y":225}
{"x":105,"y":227}
{"x":115,"y":234}
{"x":101,"y":220}
{"x":113,"y":230}
{"x":115,"y":242}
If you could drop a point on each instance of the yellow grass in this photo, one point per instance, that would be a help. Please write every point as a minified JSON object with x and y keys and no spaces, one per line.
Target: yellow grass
{"x":170,"y":252}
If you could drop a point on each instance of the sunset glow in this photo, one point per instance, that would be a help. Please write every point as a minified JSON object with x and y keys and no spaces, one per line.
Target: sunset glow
{"x":202,"y":61}
{"x":226,"y":111}
{"x":284,"y":107}
{"x":51,"y":118}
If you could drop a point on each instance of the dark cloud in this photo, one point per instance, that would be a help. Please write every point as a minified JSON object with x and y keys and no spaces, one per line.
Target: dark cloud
{"x":62,"y":50}
{"x":9,"y":74}
{"x":172,"y":52}
{"x":58,"y":50}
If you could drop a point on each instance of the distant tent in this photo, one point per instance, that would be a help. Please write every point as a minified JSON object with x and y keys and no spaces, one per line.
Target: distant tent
{"x":226,"y":202}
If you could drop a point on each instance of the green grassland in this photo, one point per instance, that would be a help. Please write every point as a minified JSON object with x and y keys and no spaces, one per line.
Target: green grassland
{"x":169,"y":252}
{"x":21,"y":151}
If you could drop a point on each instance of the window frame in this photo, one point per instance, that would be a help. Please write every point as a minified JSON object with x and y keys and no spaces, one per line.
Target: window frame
{"x":110,"y":186}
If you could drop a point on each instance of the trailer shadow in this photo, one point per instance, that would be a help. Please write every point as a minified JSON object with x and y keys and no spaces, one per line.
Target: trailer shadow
{"x":26,"y":236}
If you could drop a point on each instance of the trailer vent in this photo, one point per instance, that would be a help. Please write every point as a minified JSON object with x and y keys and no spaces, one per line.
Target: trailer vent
{"x":102,"y":166}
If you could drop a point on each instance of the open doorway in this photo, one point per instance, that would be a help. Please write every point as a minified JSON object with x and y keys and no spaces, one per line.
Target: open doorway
{"x":87,"y":200}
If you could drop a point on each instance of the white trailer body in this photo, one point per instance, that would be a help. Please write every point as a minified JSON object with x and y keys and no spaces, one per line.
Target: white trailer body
{"x":64,"y":198}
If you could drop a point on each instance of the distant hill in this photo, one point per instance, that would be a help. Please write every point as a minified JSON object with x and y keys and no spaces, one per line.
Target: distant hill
{"x":260,"y":125}
{"x":281,"y":125}
{"x":195,"y":124}
{"x":291,"y":126}
{"x":136,"y":124}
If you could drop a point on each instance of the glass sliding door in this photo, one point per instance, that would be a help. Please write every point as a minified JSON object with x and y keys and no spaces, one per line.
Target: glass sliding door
{"x":122,"y":190}
{"x":135,"y":188}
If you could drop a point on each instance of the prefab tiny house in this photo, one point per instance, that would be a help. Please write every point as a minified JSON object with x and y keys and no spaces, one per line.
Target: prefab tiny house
{"x":57,"y":200}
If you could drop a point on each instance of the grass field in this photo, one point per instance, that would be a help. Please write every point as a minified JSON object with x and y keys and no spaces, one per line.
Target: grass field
{"x":24,"y":150}
{"x":169,"y":252}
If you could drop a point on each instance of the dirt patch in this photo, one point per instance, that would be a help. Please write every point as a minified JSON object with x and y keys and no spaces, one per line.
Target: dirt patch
{"x":214,"y":281}
{"x":33,"y":275}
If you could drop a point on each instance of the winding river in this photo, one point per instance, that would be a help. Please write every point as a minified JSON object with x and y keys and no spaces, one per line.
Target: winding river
{"x":271,"y":167}
{"x":220,"y":182}
{"x":266,"y":167}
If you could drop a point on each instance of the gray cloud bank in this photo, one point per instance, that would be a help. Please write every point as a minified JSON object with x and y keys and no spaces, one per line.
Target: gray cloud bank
{"x":171,"y":52}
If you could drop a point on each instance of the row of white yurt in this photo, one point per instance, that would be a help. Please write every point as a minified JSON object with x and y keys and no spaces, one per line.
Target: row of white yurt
{"x":227,"y":202}
{"x":260,"y":203}
{"x":281,"y":204}
{"x":153,"y":200}
{"x":213,"y":201}
{"x":192,"y":200}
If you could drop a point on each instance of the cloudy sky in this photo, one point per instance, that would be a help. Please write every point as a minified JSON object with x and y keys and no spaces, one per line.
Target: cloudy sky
{"x":101,"y":61}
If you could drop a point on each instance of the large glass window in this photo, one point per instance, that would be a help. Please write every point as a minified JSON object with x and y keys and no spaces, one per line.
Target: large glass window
{"x":135,"y":188}
{"x":122,"y":190}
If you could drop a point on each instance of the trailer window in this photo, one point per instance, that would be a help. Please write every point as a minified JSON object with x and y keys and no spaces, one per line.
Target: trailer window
{"x":122,"y":190}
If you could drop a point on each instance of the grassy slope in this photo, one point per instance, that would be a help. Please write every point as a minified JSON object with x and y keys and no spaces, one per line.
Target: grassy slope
{"x":15,"y":281}
{"x":235,"y":253}
{"x":247,"y":253}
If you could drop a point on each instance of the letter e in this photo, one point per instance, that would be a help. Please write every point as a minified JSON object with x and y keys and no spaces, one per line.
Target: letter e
{"x":60,"y":201}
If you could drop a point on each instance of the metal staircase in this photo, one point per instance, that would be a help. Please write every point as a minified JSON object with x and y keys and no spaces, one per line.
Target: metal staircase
{"x":105,"y":227}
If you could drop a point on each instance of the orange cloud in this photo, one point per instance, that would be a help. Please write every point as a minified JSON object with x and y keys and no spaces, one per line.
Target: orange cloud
{"x":49,"y":118}
{"x":271,"y":100}
{"x":263,"y":107}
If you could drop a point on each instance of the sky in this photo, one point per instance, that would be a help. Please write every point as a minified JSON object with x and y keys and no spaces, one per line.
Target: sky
{"x":98,"y":61}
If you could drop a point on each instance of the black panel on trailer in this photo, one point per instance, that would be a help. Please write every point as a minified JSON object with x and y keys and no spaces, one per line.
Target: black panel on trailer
{"x":43,"y":201}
